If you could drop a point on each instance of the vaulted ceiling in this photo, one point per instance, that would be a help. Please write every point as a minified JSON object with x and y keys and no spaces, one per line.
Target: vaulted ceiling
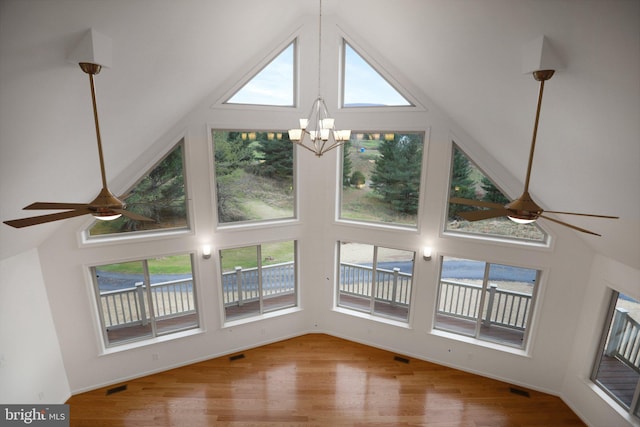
{"x":465,"y":55}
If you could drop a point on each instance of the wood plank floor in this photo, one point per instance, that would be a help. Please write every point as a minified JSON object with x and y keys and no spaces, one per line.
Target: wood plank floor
{"x":317,"y":380}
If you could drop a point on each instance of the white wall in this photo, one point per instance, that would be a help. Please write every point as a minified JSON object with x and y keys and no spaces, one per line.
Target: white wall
{"x":31,"y":367}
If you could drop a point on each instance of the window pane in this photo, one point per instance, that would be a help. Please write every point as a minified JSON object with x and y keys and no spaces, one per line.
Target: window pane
{"x":394,"y":273}
{"x":385,"y":291}
{"x":364,"y":86}
{"x":123,"y":301}
{"x":172,"y":293}
{"x":459,"y":296}
{"x":469,"y":182}
{"x":273,"y":85}
{"x":492,"y":302}
{"x":254,"y":176}
{"x":278,"y":275}
{"x":240,"y":288}
{"x":507,"y":304}
{"x":159,"y":195}
{"x":381,"y":178}
{"x":618,"y":370}
{"x":356,"y":276}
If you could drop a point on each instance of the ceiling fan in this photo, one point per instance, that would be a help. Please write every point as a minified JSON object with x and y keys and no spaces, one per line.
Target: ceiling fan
{"x":523,"y":210}
{"x":105,"y":206}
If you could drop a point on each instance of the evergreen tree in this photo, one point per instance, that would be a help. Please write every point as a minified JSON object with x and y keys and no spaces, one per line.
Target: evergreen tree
{"x":492,"y":193}
{"x":160,"y":194}
{"x":396,"y":174}
{"x":462,"y":185}
{"x":277,"y":158}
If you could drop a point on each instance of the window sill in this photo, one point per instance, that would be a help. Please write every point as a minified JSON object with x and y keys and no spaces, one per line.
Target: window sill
{"x":269,"y":315}
{"x":481,"y":343}
{"x":367,"y":316}
{"x":147,"y":342}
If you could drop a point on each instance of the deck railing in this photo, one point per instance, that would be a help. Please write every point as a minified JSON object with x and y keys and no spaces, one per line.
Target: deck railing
{"x":241,"y":285}
{"x":392,"y":286}
{"x":624,"y":339}
{"x":174,"y":298}
{"x":124,"y":307}
{"x":504,"y":307}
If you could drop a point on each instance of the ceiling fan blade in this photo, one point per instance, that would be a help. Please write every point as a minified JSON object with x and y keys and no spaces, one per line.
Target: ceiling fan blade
{"x":486,"y":214}
{"x":52,"y":205}
{"x":470,"y":202}
{"x":34,"y":220}
{"x":582,"y":214}
{"x":569,"y":225}
{"x":133,"y":216}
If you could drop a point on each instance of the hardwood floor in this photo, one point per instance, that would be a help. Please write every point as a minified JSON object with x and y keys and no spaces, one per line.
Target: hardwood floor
{"x":317,"y":380}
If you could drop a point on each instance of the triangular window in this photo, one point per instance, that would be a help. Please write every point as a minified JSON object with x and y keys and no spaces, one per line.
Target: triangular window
{"x":272,"y":85}
{"x":159,"y":195}
{"x":468,"y":181}
{"x":363,"y":86}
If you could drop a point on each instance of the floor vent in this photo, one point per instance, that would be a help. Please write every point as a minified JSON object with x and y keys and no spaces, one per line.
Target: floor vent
{"x":116,"y":389}
{"x":236,"y":357}
{"x":519,"y":391}
{"x":401,"y":359}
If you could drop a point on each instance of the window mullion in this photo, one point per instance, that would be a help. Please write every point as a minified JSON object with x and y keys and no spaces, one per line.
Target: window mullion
{"x":374,"y":282}
{"x":483,"y":295}
{"x":259,"y":264}
{"x":152,"y":311}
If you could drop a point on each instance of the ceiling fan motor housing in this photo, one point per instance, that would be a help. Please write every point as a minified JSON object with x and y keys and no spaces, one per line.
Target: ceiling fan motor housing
{"x":106,"y":204}
{"x":524,"y":208}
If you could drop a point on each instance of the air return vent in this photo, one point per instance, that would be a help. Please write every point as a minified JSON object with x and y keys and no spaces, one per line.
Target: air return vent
{"x":116,"y":389}
{"x":236,"y":357}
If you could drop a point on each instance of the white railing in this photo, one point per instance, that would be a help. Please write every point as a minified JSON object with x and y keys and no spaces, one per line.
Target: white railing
{"x":124,"y":307}
{"x":504,"y":307}
{"x":392,"y":286}
{"x":624,"y":339}
{"x":241,"y":285}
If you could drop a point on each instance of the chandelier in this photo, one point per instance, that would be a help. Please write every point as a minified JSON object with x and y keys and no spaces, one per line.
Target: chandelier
{"x":317,"y":132}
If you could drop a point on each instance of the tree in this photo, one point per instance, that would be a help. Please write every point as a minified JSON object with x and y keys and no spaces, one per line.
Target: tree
{"x":492,"y":193}
{"x":231,"y":152}
{"x":277,"y":157}
{"x":357,"y":179}
{"x":160,"y":194}
{"x":396,"y":174}
{"x":462,"y":185}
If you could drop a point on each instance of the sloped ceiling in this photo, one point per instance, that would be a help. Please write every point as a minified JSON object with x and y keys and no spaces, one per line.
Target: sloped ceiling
{"x":465,"y":55}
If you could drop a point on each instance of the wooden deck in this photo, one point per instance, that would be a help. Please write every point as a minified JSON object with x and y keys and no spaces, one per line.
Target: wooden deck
{"x":317,"y":380}
{"x":501,"y":335}
{"x":618,"y":378}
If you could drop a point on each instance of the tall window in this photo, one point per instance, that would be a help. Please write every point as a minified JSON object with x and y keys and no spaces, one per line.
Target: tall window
{"x":381,"y":174}
{"x":254,"y":176}
{"x":469,"y":182}
{"x":617,"y":367}
{"x":159,"y":195}
{"x":491,"y":302}
{"x":147,"y":298}
{"x":375,"y":280}
{"x":258,"y":279}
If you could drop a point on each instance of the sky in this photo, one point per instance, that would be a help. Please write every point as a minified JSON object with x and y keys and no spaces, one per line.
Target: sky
{"x":274,"y":84}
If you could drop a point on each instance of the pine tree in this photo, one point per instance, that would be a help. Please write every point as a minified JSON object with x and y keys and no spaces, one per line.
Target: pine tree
{"x":462,"y":185}
{"x":396,"y":175}
{"x":347,"y":165}
{"x":277,"y":158}
{"x":492,"y":193}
